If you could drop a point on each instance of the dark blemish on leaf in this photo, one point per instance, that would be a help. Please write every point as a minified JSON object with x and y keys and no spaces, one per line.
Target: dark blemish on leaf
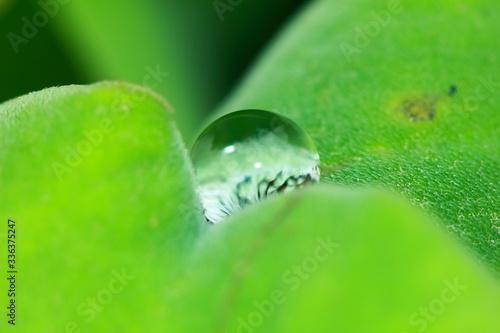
{"x":419,"y":108}
{"x":453,"y":90}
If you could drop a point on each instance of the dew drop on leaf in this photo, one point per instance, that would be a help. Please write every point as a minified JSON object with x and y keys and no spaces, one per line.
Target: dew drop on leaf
{"x":248,"y":155}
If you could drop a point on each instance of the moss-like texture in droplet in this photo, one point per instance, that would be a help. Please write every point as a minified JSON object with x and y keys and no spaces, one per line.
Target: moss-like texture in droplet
{"x":249,"y":155}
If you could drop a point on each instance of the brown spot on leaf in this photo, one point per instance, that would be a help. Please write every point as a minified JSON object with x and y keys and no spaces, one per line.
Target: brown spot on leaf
{"x":421,"y":108}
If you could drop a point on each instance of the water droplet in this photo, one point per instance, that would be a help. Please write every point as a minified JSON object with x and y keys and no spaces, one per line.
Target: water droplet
{"x":248,"y":155}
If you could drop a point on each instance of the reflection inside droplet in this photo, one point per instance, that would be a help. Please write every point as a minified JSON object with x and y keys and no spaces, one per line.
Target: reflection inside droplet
{"x":229,"y":149}
{"x":248,"y":155}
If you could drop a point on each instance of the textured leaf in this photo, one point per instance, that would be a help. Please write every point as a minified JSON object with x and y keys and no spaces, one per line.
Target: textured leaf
{"x":333,"y":260}
{"x":97,"y":181}
{"x":378,"y":104}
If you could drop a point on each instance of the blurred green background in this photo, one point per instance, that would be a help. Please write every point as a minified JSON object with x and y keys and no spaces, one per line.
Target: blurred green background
{"x":391,"y":261}
{"x":204,"y":50}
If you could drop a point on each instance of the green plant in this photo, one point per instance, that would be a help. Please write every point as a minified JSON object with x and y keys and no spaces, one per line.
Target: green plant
{"x":111,"y":235}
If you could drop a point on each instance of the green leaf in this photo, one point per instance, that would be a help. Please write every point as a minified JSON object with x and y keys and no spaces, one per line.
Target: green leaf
{"x":4,"y":5}
{"x":110,"y":233}
{"x":137,"y":42}
{"x":371,"y":82}
{"x":98,"y":183}
{"x":329,"y":259}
